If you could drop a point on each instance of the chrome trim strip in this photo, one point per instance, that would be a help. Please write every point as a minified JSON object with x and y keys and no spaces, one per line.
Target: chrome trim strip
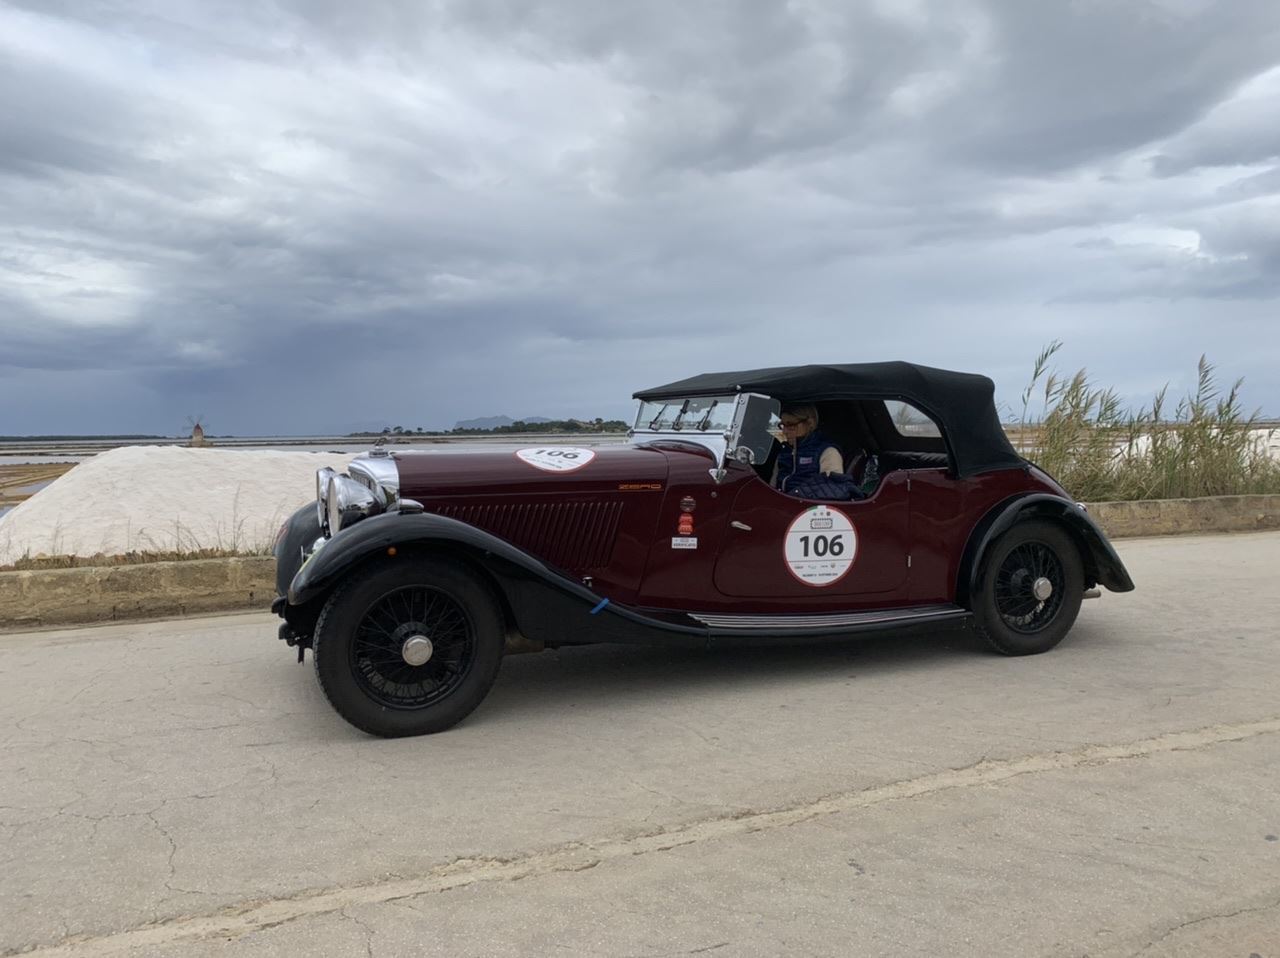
{"x":828,"y":621}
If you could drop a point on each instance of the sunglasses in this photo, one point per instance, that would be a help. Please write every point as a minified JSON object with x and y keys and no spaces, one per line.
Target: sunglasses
{"x":793,"y":424}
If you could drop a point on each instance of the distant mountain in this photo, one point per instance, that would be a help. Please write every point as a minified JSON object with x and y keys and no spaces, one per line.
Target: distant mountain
{"x":493,"y":422}
{"x":484,"y":422}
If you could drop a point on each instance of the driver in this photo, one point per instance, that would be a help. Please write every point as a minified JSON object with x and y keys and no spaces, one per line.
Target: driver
{"x":806,"y":454}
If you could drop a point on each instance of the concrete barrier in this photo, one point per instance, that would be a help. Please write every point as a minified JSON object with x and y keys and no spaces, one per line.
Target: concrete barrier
{"x":104,"y":593}
{"x":1167,"y":517}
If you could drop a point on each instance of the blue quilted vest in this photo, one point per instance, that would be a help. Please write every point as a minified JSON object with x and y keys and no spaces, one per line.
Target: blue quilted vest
{"x":802,"y":464}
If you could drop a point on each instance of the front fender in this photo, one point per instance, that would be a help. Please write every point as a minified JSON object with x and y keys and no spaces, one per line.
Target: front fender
{"x":376,"y":535}
{"x":301,"y":532}
{"x":546,"y":604}
{"x":1102,"y":564}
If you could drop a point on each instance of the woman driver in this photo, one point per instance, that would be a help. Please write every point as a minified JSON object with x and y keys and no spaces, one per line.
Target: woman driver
{"x":805,"y":453}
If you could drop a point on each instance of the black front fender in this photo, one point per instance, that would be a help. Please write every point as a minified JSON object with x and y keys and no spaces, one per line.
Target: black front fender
{"x":377,"y":535}
{"x":1102,"y":564}
{"x":545,"y":604}
{"x":301,"y":532}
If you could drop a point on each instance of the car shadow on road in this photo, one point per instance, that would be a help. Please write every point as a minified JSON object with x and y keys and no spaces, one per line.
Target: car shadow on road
{"x":611,"y":674}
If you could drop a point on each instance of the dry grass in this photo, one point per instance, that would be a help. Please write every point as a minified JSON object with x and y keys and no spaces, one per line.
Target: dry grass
{"x":27,"y":563}
{"x":1101,"y":451}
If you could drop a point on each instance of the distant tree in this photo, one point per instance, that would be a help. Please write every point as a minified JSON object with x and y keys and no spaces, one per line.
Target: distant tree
{"x":563,"y":426}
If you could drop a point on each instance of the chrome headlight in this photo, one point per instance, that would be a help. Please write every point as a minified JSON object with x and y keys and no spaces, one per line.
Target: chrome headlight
{"x":348,"y":501}
{"x":322,"y":494}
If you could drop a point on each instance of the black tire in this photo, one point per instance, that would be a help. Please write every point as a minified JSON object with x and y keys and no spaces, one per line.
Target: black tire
{"x":1007,"y":611}
{"x":359,"y":646}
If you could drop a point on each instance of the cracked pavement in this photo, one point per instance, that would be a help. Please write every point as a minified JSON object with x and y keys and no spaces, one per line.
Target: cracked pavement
{"x":168,"y":788}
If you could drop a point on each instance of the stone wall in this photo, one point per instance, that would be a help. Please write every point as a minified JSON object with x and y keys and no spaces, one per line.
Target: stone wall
{"x":1167,"y":517}
{"x":104,"y":593}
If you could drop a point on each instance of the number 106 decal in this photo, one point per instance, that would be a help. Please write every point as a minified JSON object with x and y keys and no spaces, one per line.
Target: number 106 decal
{"x":820,"y":546}
{"x":556,"y":458}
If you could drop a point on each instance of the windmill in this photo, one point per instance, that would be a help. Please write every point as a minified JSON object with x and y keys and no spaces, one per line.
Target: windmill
{"x":197,"y":430}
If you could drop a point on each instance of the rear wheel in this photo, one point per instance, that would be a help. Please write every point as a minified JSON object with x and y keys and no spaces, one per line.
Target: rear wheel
{"x":408,"y":647}
{"x":1030,"y":591}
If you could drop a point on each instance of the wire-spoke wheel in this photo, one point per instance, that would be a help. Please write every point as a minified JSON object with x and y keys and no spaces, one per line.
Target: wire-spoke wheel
{"x":413,"y":647}
{"x":408,"y":647}
{"x":1030,"y":589}
{"x":1029,"y":586}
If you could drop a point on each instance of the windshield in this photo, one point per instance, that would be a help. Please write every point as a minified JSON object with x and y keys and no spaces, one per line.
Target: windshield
{"x":760,"y":429}
{"x":702,"y":414}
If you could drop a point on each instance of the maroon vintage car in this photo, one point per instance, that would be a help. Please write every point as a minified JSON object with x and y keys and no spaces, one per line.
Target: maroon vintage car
{"x":415,"y":571}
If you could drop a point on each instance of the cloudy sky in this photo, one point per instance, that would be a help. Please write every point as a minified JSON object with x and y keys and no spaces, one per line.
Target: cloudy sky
{"x":314,"y":215}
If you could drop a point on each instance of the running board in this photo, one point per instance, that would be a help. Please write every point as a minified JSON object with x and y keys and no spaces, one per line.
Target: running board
{"x":835,"y":622}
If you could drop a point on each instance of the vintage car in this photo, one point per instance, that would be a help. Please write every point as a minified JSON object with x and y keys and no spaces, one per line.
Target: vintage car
{"x":414,"y":572}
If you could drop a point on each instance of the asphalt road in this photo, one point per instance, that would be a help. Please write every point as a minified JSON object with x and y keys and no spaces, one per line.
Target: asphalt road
{"x":173,"y":788}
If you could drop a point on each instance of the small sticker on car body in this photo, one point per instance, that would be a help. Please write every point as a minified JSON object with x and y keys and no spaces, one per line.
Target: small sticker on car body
{"x":556,"y":458}
{"x":684,"y":542}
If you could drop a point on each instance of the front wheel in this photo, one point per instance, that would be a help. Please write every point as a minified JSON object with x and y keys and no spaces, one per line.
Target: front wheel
{"x":408,"y":647}
{"x":1030,"y":591}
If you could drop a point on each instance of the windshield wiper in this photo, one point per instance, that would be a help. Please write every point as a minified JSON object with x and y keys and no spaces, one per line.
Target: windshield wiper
{"x":676,"y":424}
{"x":653,"y":423}
{"x":706,"y":419}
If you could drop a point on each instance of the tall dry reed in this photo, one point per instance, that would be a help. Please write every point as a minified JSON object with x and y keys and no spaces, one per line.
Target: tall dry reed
{"x":1101,"y":451}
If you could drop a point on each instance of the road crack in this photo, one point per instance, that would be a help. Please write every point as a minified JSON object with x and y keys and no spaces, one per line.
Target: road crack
{"x":1215,"y":916}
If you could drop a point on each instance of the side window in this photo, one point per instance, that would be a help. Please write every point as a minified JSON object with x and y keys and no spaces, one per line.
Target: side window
{"x":910,"y":421}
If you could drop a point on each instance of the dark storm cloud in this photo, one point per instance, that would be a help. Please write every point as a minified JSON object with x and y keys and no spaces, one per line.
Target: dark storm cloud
{"x":1080,"y":82}
{"x":302,"y":215}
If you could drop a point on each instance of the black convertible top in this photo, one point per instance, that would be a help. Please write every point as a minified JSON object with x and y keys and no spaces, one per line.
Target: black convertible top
{"x":962,"y":404}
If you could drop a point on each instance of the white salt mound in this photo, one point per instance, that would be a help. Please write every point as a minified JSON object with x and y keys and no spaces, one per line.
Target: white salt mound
{"x":164,"y":499}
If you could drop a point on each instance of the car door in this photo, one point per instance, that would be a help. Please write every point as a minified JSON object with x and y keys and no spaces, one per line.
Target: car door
{"x":778,"y":546}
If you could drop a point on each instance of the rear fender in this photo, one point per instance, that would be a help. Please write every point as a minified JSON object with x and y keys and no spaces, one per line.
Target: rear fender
{"x":1102,"y":566}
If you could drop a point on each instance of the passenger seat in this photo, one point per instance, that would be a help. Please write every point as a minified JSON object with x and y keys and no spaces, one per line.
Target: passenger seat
{"x":857,"y":471}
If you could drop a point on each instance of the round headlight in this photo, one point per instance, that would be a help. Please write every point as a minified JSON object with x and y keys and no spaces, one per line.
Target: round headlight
{"x":348,"y":501}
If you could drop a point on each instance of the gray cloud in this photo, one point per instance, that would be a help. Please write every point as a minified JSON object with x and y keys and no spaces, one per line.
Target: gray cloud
{"x":299,"y":216}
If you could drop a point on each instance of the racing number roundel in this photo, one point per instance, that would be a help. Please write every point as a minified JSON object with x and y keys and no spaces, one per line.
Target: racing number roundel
{"x":556,"y":458}
{"x":820,"y":546}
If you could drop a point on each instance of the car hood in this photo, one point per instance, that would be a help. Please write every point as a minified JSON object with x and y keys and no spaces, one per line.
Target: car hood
{"x":532,"y":469}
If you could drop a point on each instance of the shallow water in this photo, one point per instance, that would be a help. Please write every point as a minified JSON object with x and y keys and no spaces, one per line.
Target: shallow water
{"x":14,"y":452}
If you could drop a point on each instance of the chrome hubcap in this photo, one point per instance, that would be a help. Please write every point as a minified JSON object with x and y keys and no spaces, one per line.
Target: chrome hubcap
{"x":1042,"y":588}
{"x":417,"y":650}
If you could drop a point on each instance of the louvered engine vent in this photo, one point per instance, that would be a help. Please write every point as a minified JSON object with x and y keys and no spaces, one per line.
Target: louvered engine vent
{"x":574,"y":535}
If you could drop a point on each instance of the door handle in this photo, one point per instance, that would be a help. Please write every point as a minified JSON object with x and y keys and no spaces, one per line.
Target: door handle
{"x":740,"y":525}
